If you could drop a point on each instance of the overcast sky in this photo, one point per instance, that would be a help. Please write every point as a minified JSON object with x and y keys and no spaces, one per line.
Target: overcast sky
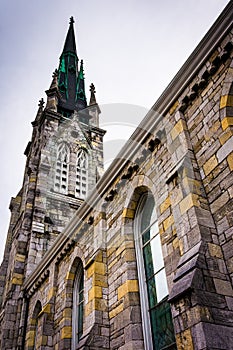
{"x":131,"y":51}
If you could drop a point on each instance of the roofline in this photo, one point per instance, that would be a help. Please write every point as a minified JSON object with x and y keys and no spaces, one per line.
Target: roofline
{"x":186,"y":73}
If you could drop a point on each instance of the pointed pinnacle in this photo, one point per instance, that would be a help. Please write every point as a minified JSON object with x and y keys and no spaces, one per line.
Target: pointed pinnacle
{"x":92,"y":98}
{"x":41,"y":103}
{"x":55,"y":73}
{"x":71,"y":20}
{"x":92,"y":88}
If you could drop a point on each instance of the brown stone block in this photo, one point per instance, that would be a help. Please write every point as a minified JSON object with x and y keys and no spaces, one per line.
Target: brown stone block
{"x":215,"y":250}
{"x":219,"y":202}
{"x":127,"y":287}
{"x":115,"y":311}
{"x":226,"y":100}
{"x":96,"y":267}
{"x":223,"y":287}
{"x":188,"y":202}
{"x":166,"y":203}
{"x":95,"y":292}
{"x":66,"y":332}
{"x":225,"y":136}
{"x":227,"y":122}
{"x":210,"y":165}
{"x":168,"y":222}
{"x":184,"y":340}
{"x":230,"y":161}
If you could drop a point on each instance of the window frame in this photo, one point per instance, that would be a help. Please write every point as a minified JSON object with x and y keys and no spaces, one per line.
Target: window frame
{"x":148,"y":311}
{"x":146,"y":324}
{"x":79,"y":173}
{"x":79,"y":280}
{"x":60,"y":169}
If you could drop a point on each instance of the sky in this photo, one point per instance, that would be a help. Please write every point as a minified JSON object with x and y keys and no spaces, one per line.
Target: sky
{"x":131,"y":51}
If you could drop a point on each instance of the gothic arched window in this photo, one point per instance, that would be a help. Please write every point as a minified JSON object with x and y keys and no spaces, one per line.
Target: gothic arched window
{"x":61,"y":173}
{"x":81,"y":174}
{"x":36,"y":326}
{"x":156,"y":314}
{"x":77,"y":311}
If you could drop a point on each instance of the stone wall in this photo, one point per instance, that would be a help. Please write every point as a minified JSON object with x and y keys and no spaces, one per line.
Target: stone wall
{"x":185,"y":160}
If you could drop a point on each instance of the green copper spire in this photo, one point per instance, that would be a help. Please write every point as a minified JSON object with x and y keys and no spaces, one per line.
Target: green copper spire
{"x":68,"y":75}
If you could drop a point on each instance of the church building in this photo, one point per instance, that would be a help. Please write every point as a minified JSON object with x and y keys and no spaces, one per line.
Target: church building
{"x":139,"y":256}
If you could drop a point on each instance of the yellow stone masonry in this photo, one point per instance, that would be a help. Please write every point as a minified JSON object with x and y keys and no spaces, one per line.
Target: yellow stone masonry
{"x":226,"y":101}
{"x":184,"y":340}
{"x":225,"y":136}
{"x":166,"y":204}
{"x":227,"y":122}
{"x":178,"y":128}
{"x":215,"y":250}
{"x":20,"y":258}
{"x":230,"y":161}
{"x":17,"y":279}
{"x":46,"y":309}
{"x":127,"y":287}
{"x":210,"y":165}
{"x":116,"y":310}
{"x":66,"y":332}
{"x":67,"y":312}
{"x":128,"y":213}
{"x":96,"y":267}
{"x":189,"y":201}
{"x":30,"y":338}
{"x":168,"y":222}
{"x":173,"y":108}
{"x":95,"y":292}
{"x":70,"y":276}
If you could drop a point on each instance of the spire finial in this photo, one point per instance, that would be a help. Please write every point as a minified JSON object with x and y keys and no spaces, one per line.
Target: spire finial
{"x":92,"y":98}
{"x":55,"y":73}
{"x":41,"y":103}
{"x":92,"y":88}
{"x":71,"y":20}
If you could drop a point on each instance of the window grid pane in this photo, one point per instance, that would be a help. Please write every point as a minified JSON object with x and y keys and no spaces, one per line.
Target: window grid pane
{"x":61,"y":173}
{"x":81,"y":174}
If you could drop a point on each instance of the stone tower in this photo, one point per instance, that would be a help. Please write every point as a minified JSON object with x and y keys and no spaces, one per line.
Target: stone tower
{"x":64,"y":161}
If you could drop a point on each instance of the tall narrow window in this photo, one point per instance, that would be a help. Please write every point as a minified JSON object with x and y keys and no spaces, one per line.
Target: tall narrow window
{"x":61,"y":174}
{"x":81,"y":174}
{"x":156,"y":314}
{"x":77,"y":312}
{"x":36,"y":326}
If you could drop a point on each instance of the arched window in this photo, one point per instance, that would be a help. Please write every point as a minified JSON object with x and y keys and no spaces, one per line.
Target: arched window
{"x":36,"y":326}
{"x":61,"y":173}
{"x":77,"y":311}
{"x":81,"y":174}
{"x":156,"y":314}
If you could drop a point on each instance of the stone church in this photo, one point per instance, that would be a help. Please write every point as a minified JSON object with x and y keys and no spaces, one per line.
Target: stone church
{"x":138,"y":257}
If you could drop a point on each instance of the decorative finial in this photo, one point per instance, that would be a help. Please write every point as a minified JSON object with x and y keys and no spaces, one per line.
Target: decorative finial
{"x":55,"y":73}
{"x":41,"y":103}
{"x":92,"y":88}
{"x":92,"y":98}
{"x":71,"y":20}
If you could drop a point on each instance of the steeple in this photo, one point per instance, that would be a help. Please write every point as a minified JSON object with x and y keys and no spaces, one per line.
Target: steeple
{"x":70,"y":45}
{"x":70,"y":78}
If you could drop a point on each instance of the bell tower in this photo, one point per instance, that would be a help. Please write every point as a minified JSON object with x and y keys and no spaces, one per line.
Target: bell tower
{"x":64,"y":160}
